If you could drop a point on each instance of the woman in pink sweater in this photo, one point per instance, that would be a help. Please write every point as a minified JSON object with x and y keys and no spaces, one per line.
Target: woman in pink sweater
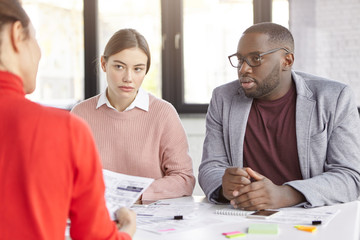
{"x":137,"y":133}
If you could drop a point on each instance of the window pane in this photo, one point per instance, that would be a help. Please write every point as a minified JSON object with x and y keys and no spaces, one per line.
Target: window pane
{"x":60,"y":79}
{"x":212,"y":29}
{"x":280,"y":12}
{"x":145,"y":17}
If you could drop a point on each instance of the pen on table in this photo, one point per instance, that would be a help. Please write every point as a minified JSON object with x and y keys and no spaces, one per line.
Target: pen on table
{"x":176,"y":217}
{"x":144,"y":215}
{"x":139,"y":215}
{"x":161,"y":203}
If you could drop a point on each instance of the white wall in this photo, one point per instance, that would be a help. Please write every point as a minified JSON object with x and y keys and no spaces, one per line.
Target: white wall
{"x":327,"y":39}
{"x":195,"y":130}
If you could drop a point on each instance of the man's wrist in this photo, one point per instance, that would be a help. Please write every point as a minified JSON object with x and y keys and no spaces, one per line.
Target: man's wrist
{"x":293,"y":196}
{"x":220,"y":196}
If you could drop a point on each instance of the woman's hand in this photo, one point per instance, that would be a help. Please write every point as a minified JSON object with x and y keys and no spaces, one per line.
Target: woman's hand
{"x":126,"y":220}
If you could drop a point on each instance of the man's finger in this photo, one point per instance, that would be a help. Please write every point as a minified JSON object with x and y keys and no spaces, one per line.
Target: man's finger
{"x":255,"y":175}
{"x":236,"y":171}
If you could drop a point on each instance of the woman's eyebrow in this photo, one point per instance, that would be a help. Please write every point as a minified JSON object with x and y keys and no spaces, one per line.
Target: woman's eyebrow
{"x":121,"y":62}
{"x":118,"y":61}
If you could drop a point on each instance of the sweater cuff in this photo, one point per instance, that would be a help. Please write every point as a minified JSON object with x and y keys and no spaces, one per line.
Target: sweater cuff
{"x":218,"y":197}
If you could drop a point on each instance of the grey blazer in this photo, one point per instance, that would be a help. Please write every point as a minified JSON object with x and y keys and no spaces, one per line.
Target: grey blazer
{"x":327,"y":133}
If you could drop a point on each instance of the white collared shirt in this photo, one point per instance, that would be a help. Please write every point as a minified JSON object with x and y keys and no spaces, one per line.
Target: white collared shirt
{"x":141,"y":101}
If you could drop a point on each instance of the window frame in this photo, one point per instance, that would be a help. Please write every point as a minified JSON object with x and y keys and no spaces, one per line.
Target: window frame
{"x":173,"y":89}
{"x":172,"y":50}
{"x":91,"y":43}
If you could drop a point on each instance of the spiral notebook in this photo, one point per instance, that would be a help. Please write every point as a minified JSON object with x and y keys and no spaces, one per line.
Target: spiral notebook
{"x":233,"y":212}
{"x":291,"y":215}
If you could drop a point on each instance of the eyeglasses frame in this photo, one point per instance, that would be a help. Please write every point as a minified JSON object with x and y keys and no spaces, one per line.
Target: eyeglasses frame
{"x":260,"y":55}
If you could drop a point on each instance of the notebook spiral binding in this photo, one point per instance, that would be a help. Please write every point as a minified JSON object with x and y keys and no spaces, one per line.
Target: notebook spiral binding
{"x":232,"y":212}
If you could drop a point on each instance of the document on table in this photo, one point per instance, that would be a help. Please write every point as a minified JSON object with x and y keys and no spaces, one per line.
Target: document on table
{"x":303,"y":216}
{"x":123,"y":190}
{"x":158,"y":217}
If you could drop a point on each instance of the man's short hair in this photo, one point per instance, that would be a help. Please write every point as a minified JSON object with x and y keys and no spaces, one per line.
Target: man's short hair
{"x":279,"y":35}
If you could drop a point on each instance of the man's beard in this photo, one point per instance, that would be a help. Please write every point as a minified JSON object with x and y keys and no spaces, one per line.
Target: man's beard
{"x":267,"y":86}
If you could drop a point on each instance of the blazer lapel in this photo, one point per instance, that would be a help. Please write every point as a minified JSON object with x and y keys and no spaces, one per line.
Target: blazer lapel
{"x":238,"y":116}
{"x":304,"y":110}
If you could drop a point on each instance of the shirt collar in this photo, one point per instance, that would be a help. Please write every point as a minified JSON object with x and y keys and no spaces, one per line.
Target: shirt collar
{"x":141,"y":101}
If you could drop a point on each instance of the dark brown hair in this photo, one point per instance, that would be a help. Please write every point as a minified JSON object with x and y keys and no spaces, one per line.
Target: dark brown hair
{"x":12,"y":11}
{"x":124,"y":39}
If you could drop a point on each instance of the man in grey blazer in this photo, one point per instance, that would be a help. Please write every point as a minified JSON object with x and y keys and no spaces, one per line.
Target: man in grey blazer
{"x":276,"y":137}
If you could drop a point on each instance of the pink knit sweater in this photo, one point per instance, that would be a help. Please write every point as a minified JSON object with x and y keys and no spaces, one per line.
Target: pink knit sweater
{"x":149,"y":144}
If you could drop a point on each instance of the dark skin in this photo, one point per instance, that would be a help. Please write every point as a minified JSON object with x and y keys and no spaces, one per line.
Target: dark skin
{"x":245,"y":188}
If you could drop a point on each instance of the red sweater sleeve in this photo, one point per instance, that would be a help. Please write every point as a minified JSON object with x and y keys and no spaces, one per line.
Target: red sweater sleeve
{"x":88,"y":213}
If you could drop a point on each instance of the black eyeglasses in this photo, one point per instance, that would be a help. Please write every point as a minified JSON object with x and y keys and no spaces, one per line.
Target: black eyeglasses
{"x":252,"y":59}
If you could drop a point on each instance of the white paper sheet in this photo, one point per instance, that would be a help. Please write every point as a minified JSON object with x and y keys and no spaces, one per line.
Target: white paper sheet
{"x":123,"y":190}
{"x":158,"y":217}
{"x":303,"y":216}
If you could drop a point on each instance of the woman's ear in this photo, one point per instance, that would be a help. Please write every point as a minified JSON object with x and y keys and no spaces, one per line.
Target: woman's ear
{"x":17,"y":35}
{"x":288,"y":61}
{"x":103,"y":63}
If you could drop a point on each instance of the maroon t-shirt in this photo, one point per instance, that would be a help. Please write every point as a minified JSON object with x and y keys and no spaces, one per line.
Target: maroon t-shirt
{"x":270,"y":140}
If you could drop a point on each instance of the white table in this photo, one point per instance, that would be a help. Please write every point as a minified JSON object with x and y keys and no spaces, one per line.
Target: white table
{"x":344,"y":226}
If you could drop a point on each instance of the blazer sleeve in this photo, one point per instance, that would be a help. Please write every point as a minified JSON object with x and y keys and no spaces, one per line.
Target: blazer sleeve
{"x":334,"y":155}
{"x":215,"y":158}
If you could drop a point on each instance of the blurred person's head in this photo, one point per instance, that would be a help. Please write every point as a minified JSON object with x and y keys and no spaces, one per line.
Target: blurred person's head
{"x":19,"y":50}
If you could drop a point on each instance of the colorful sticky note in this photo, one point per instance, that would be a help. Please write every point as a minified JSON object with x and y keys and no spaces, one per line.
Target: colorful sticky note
{"x":236,"y":235}
{"x":263,"y":228}
{"x":231,"y":233}
{"x":306,"y":228}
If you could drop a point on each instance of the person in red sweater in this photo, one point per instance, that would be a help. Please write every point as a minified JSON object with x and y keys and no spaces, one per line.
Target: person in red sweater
{"x":49,"y":165}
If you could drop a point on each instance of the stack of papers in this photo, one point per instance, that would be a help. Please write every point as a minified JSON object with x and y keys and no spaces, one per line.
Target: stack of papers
{"x":303,"y":216}
{"x":163,"y":217}
{"x":123,"y":190}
